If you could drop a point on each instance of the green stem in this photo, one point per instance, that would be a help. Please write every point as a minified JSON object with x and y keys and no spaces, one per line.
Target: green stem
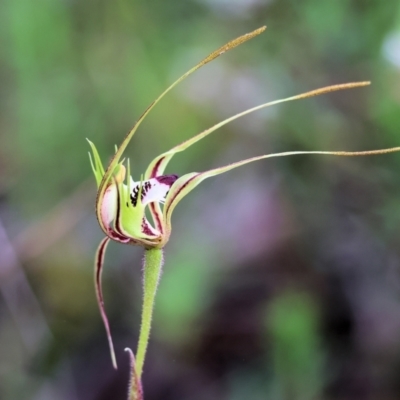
{"x":153,"y":260}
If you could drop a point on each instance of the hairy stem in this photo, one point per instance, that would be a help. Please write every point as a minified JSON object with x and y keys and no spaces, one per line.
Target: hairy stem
{"x":153,"y":260}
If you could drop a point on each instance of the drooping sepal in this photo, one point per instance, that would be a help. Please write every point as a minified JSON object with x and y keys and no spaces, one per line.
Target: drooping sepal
{"x":99,"y":261}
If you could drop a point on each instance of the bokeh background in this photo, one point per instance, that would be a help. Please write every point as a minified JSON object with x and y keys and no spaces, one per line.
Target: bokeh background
{"x":281,"y":279}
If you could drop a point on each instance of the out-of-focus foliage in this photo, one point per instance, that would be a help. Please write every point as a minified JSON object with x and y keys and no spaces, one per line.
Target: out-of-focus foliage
{"x":286,"y":285}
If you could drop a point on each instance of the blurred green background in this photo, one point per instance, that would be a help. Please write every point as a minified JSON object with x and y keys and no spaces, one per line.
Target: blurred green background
{"x":281,"y":279}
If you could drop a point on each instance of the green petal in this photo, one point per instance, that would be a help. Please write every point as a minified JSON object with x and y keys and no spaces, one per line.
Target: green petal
{"x":185,"y":184}
{"x":118,"y":154}
{"x":97,"y":166}
{"x":158,"y":165}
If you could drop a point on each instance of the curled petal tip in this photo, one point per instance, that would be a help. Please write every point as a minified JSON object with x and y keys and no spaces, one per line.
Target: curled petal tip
{"x":131,"y":358}
{"x":129,"y":350}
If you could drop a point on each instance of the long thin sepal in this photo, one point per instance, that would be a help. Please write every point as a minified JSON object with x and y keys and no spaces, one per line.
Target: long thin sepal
{"x":153,"y":260}
{"x":135,"y":390}
{"x":99,"y":294}
{"x":118,"y":154}
{"x":185,"y":184}
{"x":158,"y":165}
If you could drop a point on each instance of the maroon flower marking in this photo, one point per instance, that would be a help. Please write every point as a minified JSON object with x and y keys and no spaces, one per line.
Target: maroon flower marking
{"x":167,"y":179}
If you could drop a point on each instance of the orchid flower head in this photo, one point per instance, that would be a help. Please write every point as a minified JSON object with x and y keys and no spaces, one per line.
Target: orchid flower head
{"x":122,"y":207}
{"x":122,"y":203}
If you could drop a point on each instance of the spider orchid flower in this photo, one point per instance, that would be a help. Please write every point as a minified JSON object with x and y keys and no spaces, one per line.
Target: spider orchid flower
{"x":122,"y":202}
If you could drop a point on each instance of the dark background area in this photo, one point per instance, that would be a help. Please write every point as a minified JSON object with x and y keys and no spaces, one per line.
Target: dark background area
{"x":281,"y":279}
